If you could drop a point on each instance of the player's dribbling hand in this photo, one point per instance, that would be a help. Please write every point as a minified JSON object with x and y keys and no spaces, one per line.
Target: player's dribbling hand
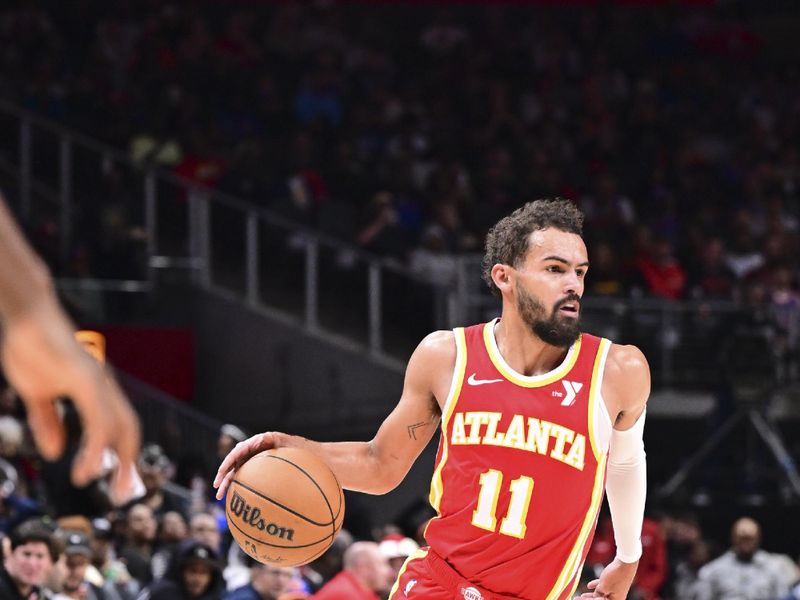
{"x":43,"y":362}
{"x":614,"y":583}
{"x":240,"y":453}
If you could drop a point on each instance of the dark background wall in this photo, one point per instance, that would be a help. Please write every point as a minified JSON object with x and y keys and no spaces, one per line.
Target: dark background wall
{"x":277,"y":376}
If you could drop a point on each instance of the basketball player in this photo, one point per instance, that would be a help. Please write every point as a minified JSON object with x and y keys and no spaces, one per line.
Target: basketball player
{"x":43,"y":361}
{"x":536,"y":418}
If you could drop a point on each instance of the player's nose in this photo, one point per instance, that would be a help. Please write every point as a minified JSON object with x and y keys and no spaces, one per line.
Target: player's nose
{"x":573,"y":285}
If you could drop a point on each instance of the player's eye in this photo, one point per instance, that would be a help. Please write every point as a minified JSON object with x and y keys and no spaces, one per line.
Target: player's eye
{"x":554,"y":269}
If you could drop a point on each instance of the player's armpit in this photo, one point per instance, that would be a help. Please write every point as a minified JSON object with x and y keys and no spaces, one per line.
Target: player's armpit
{"x":626,"y":385}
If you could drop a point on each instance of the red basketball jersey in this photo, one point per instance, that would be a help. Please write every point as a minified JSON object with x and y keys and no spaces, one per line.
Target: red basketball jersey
{"x":520,"y":471}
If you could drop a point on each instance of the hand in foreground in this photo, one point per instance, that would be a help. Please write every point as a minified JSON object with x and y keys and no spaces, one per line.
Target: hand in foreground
{"x":43,"y":362}
{"x":614,"y":581}
{"x":236,"y":457}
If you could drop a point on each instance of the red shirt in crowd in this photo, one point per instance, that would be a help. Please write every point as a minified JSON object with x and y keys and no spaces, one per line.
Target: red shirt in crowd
{"x":345,"y":586}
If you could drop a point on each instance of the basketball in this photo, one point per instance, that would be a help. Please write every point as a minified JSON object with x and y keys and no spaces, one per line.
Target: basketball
{"x":284,"y":507}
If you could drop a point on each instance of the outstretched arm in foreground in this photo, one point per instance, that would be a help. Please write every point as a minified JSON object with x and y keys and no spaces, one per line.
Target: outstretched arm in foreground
{"x":43,"y":361}
{"x":377,"y":466}
{"x":626,"y":387}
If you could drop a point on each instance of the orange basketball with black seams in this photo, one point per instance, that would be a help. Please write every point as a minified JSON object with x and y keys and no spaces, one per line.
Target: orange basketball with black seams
{"x":284,"y":507}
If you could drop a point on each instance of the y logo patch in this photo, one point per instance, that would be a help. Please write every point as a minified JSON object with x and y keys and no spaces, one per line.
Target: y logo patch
{"x":572,"y":388}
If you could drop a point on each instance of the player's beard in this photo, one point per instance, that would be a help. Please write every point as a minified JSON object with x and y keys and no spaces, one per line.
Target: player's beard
{"x":555,"y":330}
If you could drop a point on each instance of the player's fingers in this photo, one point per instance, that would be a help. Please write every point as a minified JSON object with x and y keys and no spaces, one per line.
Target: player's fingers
{"x":223,"y":486}
{"x":98,"y":429}
{"x":597,"y":590}
{"x":126,"y":444}
{"x":88,"y":462}
{"x":46,"y":427}
{"x":241,"y":452}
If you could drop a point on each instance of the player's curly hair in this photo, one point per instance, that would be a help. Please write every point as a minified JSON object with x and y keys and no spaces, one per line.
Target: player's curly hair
{"x":507,"y":240}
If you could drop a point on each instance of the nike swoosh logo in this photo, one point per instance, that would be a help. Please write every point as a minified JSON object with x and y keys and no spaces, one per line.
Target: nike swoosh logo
{"x":472,"y":381}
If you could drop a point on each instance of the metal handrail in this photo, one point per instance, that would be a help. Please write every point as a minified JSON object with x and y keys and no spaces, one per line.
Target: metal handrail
{"x":200,"y":240}
{"x":222,"y":197}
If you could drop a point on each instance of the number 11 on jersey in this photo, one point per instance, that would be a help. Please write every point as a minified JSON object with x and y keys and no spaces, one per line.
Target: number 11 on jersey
{"x":484,"y":516}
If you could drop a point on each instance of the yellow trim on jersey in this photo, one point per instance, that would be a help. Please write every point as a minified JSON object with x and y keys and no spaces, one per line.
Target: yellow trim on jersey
{"x":522,"y":380}
{"x":568,"y":572}
{"x":575,"y":585}
{"x":452,"y":398}
{"x":419,"y":553}
{"x":594,"y":394}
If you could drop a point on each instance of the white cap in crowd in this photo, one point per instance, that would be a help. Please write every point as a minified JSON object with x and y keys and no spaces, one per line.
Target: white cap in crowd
{"x":397,"y":546}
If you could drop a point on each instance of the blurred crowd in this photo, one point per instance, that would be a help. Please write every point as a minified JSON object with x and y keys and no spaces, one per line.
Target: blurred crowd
{"x":409,"y":130}
{"x":64,"y":543}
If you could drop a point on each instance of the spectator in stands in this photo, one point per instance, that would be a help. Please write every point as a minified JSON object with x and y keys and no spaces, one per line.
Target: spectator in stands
{"x":787,"y":569}
{"x":195,"y":574}
{"x":743,"y":256}
{"x":112,"y":570}
{"x":608,"y":278}
{"x":710,"y":277}
{"x":202,"y":163}
{"x":745,"y":571}
{"x":33,"y":552}
{"x":794,"y":594}
{"x":154,"y":468}
{"x":785,"y":307}
{"x":172,"y":531}
{"x":11,"y":437}
{"x":140,"y":542}
{"x":397,"y":548}
{"x":661,"y":271}
{"x":203,"y":528}
{"x":14,"y":506}
{"x":682,"y":534}
{"x":431,"y":261}
{"x":75,"y":584}
{"x":266,"y":583}
{"x":609,"y":210}
{"x":365,"y":576}
{"x":686,"y":584}
{"x":381,"y":232}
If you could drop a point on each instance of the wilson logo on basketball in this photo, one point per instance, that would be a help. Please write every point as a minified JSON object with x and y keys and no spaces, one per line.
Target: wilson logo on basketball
{"x":250,"y":515}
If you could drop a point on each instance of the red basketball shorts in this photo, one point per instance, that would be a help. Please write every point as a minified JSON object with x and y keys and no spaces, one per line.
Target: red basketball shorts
{"x":426,"y":576}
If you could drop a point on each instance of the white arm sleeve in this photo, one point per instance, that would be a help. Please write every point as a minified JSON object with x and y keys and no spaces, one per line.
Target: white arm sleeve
{"x":626,"y":488}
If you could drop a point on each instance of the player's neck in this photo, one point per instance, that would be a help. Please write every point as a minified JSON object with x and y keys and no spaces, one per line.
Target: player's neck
{"x":523,"y":350}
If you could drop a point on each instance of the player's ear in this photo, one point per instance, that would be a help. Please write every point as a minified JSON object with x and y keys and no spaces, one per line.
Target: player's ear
{"x":501,"y":275}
